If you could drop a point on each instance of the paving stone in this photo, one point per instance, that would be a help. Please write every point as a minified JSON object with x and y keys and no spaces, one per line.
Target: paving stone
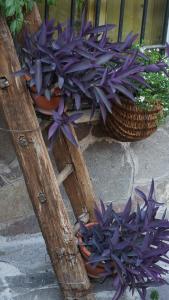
{"x":26,"y":225}
{"x":2,"y":182}
{"x":14,"y":202}
{"x":26,"y":273}
{"x":152,"y":157}
{"x":7,"y":152}
{"x":13,"y":175}
{"x":110,"y":170}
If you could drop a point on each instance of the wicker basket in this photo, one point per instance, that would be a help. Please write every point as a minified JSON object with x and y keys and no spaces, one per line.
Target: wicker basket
{"x":129,"y":123}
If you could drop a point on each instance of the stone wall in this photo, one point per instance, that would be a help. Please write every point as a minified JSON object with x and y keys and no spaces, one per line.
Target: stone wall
{"x":115,"y":169}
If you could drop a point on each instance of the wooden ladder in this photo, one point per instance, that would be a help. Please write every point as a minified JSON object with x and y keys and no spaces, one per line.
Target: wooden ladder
{"x":41,"y":181}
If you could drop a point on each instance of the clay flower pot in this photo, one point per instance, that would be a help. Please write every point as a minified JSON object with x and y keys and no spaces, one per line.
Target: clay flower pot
{"x":93,"y":272}
{"x":41,"y":101}
{"x":45,"y":104}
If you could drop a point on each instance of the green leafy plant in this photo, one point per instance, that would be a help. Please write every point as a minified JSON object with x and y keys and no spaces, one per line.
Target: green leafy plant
{"x":15,"y":10}
{"x":158,"y":85}
{"x":154,"y":295}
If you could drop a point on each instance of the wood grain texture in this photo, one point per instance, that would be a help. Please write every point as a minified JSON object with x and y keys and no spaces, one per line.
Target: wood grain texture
{"x":32,"y":22}
{"x":16,"y":104}
{"x":78,"y":185}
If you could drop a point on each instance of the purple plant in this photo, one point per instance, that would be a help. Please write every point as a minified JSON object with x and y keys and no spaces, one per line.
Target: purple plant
{"x":134,"y":241}
{"x":62,"y":123}
{"x":84,"y":64}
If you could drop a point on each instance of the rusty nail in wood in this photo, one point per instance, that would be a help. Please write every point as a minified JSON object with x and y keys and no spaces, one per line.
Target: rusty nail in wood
{"x":23,"y":141}
{"x":4,"y":83}
{"x":42,"y":197}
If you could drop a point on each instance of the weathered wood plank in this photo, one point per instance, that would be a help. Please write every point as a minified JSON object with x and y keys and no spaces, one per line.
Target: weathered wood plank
{"x":16,"y":104}
{"x":78,"y":184}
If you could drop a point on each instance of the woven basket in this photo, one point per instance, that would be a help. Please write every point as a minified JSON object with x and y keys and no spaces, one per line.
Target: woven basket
{"x":129,"y":123}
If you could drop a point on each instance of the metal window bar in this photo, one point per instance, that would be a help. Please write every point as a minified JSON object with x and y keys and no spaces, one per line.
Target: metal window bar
{"x":120,"y":29}
{"x":121,"y":17}
{"x":97,"y":12}
{"x":46,"y":12}
{"x":165,"y":25}
{"x":72,"y":12}
{"x":144,"y":19}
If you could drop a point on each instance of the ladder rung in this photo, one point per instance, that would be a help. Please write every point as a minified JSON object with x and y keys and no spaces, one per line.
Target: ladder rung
{"x":61,"y":177}
{"x":64,"y":173}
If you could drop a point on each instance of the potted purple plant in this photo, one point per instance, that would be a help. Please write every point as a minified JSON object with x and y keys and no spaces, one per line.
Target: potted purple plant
{"x":75,"y":65}
{"x":127,"y":246}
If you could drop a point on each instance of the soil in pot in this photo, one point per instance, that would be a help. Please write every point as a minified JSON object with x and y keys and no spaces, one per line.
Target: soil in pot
{"x":93,"y":272}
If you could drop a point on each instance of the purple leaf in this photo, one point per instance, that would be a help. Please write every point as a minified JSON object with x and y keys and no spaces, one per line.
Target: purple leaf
{"x":68,"y":134}
{"x":38,"y":75}
{"x":103,"y":112}
{"x":118,"y":293}
{"x":127,"y":209}
{"x":103,"y":28}
{"x":85,"y":54}
{"x":124,"y":91}
{"x":142,"y":195}
{"x":61,"y":106}
{"x":52,"y":130}
{"x":75,"y":117}
{"x":104,"y":77}
{"x":101,"y":96}
{"x":60,"y":82}
{"x":152,"y":68}
{"x":89,"y":76}
{"x":167,"y":49}
{"x":85,"y":65}
{"x":77,"y":101}
{"x":102,"y":206}
{"x":115,"y":237}
{"x":42,"y":35}
{"x":129,"y":40}
{"x":20,"y":73}
{"x":94,"y":45}
{"x":81,"y":86}
{"x":102,"y":59}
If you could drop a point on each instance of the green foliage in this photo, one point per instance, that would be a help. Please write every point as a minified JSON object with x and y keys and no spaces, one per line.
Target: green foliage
{"x":14,"y":11}
{"x":158,"y":82}
{"x":154,"y":295}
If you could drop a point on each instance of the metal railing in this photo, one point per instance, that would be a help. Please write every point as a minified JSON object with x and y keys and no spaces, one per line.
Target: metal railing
{"x":121,"y":17}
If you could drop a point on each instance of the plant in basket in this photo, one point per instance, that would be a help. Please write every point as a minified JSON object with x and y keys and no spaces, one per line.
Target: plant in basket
{"x":158,"y":82}
{"x":138,"y":120}
{"x":65,"y":66}
{"x":128,"y":246}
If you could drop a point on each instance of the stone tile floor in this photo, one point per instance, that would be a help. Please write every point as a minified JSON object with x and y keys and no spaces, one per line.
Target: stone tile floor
{"x":115,"y":169}
{"x":26,"y":273}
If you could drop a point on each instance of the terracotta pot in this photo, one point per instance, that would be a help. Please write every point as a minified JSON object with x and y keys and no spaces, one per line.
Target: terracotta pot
{"x":43,"y":103}
{"x":93,"y":272}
